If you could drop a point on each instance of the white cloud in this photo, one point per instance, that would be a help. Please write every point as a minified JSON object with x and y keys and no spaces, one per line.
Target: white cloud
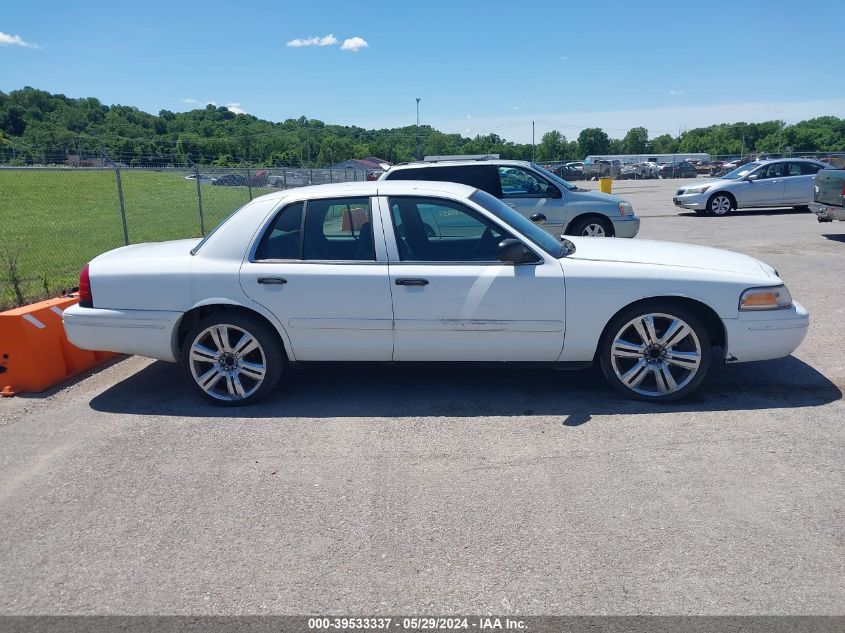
{"x":676,"y":93}
{"x":189,"y":100}
{"x":15,"y":40}
{"x":328,"y":40}
{"x":354,"y":44}
{"x":235,"y":107}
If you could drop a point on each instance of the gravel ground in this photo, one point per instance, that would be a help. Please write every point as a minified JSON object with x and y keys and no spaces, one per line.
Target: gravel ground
{"x":397,"y":489}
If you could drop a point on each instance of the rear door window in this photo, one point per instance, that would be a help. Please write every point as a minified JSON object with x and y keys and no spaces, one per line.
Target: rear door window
{"x":481,"y":176}
{"x":283,"y":240}
{"x":338,"y":230}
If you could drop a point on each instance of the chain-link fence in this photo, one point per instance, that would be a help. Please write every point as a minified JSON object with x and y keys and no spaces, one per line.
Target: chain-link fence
{"x":56,"y":219}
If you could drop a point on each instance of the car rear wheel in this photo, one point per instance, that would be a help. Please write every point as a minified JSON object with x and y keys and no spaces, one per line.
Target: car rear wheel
{"x":657,"y":352}
{"x":232,"y":359}
{"x":720,"y":204}
{"x":591,"y":227}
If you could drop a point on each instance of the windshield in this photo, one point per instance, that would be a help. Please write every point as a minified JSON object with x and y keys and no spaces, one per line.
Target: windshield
{"x":563,"y":183}
{"x":520,"y":223}
{"x":740,"y":172}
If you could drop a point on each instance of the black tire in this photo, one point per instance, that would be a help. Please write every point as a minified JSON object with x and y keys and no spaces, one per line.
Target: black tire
{"x":721,"y":203}
{"x":270,"y":348}
{"x":657,"y":307}
{"x":580,"y":224}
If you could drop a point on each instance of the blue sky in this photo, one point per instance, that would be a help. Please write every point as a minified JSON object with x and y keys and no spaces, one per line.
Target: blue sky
{"x":479,"y":67}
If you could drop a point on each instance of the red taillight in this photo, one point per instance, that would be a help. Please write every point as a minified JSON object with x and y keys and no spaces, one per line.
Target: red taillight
{"x":86,"y":299}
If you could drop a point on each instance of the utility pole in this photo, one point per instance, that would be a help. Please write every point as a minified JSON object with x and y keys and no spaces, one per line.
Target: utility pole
{"x":532,"y":141}
{"x":418,"y":111}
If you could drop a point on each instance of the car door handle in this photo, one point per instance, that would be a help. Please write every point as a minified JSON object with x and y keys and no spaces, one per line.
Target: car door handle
{"x":411,"y":282}
{"x":512,"y":205}
{"x":273,"y":281}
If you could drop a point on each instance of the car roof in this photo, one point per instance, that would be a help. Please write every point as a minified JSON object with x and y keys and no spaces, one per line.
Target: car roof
{"x":372,"y":188}
{"x":454,"y":163}
{"x":769,"y":161}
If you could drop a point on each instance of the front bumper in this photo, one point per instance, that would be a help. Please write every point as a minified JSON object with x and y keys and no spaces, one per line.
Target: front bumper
{"x":696,"y":201}
{"x":148,"y":333}
{"x":627,"y":226}
{"x":766,"y":334}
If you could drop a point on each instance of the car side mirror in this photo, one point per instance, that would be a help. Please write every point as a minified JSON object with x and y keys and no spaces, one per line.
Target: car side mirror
{"x":552,"y":192}
{"x":512,"y":251}
{"x":752,"y":177}
{"x":538,"y":218}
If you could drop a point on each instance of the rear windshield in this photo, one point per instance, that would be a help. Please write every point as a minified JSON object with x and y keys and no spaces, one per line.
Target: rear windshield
{"x":480,"y":175}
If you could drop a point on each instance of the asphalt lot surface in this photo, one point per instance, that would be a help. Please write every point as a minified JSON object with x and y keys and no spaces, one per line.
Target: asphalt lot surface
{"x":397,"y":489}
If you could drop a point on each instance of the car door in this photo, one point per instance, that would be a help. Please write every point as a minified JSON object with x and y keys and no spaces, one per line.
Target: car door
{"x":528,"y":193}
{"x":321,"y":268}
{"x":453,"y":300}
{"x":798,"y":182}
{"x":766,"y":189}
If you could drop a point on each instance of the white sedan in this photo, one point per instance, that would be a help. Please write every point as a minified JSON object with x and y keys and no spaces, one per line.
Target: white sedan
{"x":425,"y":271}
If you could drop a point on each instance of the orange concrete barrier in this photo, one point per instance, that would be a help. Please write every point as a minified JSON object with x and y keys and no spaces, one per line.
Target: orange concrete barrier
{"x":34,"y":351}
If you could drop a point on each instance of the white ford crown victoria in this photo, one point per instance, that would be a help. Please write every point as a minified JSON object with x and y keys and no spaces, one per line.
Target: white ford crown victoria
{"x":425,"y":271}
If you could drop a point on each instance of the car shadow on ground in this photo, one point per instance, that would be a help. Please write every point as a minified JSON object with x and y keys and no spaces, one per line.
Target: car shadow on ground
{"x":328,"y":390}
{"x":748,"y":212}
{"x":835,"y":237}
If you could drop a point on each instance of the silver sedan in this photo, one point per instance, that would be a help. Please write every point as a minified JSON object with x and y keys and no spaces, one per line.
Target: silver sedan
{"x":785,"y":182}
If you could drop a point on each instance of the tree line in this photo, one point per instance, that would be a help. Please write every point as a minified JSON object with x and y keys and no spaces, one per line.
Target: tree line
{"x":37,"y":127}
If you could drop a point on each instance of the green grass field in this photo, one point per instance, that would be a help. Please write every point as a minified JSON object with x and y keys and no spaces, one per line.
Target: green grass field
{"x":55,"y":221}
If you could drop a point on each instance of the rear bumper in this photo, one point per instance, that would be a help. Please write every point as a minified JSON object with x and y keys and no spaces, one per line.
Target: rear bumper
{"x":142,"y":332}
{"x":766,"y":335}
{"x":827,"y":212}
{"x":628,"y":226}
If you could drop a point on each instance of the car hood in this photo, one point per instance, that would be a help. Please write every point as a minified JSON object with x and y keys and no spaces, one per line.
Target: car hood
{"x":667,"y":254}
{"x":706,"y":183}
{"x":152,"y":250}
{"x":588,"y":195}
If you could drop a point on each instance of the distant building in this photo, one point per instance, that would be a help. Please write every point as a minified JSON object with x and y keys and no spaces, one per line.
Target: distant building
{"x":370,"y":163}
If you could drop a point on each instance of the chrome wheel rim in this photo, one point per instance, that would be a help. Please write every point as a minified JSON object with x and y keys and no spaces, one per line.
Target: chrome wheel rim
{"x":227,"y":362}
{"x":720,"y":205}
{"x":655,"y":354}
{"x":593,"y":230}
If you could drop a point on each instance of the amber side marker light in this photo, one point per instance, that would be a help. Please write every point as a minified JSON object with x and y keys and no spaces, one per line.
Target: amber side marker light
{"x":776,"y":298}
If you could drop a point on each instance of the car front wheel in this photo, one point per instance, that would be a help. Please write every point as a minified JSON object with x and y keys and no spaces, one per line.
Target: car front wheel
{"x":720,"y":204}
{"x":591,"y":227}
{"x":655,"y":352}
{"x":232,"y":358}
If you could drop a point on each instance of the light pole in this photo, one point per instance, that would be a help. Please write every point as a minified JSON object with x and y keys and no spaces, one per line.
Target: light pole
{"x":418,"y":111}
